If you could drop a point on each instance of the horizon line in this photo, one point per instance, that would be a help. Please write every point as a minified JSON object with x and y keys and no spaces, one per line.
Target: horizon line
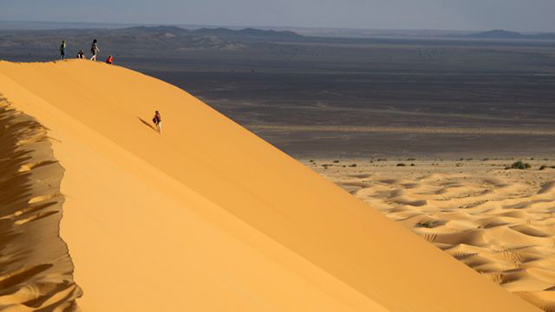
{"x":264,"y":26}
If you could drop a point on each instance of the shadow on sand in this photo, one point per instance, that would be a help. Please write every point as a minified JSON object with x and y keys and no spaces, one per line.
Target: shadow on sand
{"x":147,"y":124}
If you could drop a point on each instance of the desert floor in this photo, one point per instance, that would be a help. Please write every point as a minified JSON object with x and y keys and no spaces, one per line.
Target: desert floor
{"x":497,"y":221}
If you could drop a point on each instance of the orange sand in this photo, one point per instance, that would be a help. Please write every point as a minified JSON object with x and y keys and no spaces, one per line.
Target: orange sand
{"x":208,"y":217}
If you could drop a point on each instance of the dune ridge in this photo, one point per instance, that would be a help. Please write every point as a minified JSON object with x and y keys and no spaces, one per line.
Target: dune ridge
{"x":36,"y":272}
{"x":209,"y":217}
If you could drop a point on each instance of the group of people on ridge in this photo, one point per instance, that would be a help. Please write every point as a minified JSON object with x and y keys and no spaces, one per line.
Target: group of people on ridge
{"x":81,"y":54}
{"x":157,"y":119}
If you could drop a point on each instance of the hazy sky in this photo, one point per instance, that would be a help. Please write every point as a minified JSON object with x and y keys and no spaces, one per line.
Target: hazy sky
{"x":519,"y":15}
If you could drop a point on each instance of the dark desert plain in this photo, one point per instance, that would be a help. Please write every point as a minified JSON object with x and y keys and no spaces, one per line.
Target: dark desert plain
{"x":409,"y":94}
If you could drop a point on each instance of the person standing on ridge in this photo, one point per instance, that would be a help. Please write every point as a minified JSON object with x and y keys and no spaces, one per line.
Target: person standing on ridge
{"x":63,"y":50}
{"x":158,"y":121}
{"x":94,"y":50}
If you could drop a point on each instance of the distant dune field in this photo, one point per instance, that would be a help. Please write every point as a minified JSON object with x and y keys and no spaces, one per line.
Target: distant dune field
{"x":498,"y":222}
{"x":209,"y":217}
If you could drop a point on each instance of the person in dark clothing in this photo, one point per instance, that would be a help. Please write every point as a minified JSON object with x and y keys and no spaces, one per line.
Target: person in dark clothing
{"x":63,"y":50}
{"x":157,"y":121}
{"x":94,"y":50}
{"x":81,"y":54}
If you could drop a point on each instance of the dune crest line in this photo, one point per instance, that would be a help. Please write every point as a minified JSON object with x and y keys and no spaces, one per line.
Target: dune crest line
{"x":36,"y":271}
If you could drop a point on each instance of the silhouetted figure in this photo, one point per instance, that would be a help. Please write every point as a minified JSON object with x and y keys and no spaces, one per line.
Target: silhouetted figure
{"x":157,"y":120}
{"x":110,"y":60}
{"x":81,"y":54}
{"x":63,"y":50}
{"x":94,"y":50}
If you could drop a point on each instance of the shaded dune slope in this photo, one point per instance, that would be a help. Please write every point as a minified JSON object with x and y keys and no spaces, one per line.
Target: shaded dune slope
{"x":35,"y":268}
{"x":208,"y":217}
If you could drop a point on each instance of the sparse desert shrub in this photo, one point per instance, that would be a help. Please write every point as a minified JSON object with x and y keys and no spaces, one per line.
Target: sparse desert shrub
{"x":412,"y":165}
{"x":543,"y":167}
{"x":426,"y":224}
{"x":519,"y":165}
{"x":336,"y":161}
{"x":401,"y":165}
{"x":411,"y":159}
{"x":382,"y":159}
{"x":353,"y":165}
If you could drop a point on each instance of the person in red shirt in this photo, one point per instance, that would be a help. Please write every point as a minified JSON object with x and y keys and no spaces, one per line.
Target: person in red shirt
{"x":110,"y":60}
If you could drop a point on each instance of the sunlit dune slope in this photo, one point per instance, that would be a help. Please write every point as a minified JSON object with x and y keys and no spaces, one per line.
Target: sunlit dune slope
{"x":208,"y":217}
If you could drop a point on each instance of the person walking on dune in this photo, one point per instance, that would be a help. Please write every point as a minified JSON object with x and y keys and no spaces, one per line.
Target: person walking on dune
{"x":94,"y":50}
{"x":63,"y":50}
{"x":157,"y":121}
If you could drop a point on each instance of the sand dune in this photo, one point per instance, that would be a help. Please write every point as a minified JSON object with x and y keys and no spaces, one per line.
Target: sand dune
{"x":208,"y":217}
{"x":498,"y":222}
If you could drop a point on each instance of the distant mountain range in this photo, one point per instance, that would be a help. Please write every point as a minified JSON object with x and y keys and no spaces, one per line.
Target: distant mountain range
{"x":504,"y":34}
{"x":174,"y":40}
{"x":145,"y":40}
{"x":247,"y":33}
